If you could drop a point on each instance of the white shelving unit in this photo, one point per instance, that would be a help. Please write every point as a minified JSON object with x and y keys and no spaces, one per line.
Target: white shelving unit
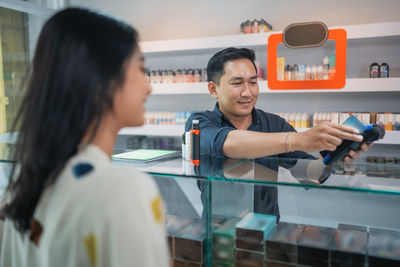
{"x":391,"y":137}
{"x":171,"y":52}
{"x":352,"y":85}
{"x":261,"y":39}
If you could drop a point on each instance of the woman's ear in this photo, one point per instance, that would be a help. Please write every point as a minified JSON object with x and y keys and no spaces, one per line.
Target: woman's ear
{"x":212,"y":86}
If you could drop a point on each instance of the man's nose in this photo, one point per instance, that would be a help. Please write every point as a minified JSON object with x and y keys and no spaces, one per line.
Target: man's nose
{"x":246,"y":90}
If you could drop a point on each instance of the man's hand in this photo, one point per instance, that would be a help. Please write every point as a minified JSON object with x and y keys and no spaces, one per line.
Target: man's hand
{"x":353,"y":155}
{"x":325,"y":136}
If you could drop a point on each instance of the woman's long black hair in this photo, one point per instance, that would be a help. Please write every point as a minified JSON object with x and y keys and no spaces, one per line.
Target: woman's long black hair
{"x":79,"y":62}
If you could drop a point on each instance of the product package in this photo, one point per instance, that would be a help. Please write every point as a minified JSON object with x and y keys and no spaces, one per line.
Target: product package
{"x":281,"y":244}
{"x":189,"y":242}
{"x":224,"y":236}
{"x":174,"y":224}
{"x":313,"y":246}
{"x":383,"y":247}
{"x":222,"y":254}
{"x":252,"y":231}
{"x":224,"y":242}
{"x":349,"y":246}
{"x":245,"y":258}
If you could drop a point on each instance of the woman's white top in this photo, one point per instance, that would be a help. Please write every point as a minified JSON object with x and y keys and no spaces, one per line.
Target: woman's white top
{"x":95,"y":214}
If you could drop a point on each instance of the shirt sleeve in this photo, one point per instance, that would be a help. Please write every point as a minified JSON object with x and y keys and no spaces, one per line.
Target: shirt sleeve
{"x":212,"y":135}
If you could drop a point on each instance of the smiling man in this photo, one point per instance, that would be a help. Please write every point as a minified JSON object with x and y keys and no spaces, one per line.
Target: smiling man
{"x":236,"y":129}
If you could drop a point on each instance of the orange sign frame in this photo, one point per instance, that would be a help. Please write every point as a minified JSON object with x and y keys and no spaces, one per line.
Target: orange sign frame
{"x":339,"y":81}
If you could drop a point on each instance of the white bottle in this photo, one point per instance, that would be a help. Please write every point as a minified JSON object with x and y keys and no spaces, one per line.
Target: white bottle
{"x":320,"y":72}
{"x":326,"y":68}
{"x":313,"y":72}
{"x":308,"y":72}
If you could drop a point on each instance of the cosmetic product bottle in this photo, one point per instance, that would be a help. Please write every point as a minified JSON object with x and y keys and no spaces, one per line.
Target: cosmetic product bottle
{"x":183,"y":146}
{"x":247,"y":27}
{"x":261,"y":26}
{"x":242,"y":27}
{"x":295,"y":73}
{"x":287,"y":72}
{"x":269,"y":26}
{"x":313,"y":72}
{"x":196,"y":77}
{"x":315,"y":118}
{"x":388,"y":121}
{"x":302,"y":72}
{"x":260,"y":71}
{"x":178,"y":76}
{"x":305,"y":120}
{"x":189,"y":76}
{"x":380,"y":119}
{"x":164,"y":76}
{"x":148,"y":76}
{"x":384,"y":70}
{"x":204,"y":75}
{"x":332,"y":67}
{"x":308,"y":72}
{"x":326,"y":68}
{"x":195,"y":137}
{"x":280,"y":68}
{"x":292,"y":119}
{"x":159,"y":76}
{"x":170,"y":76}
{"x":320,"y":72}
{"x":335,"y":117}
{"x":297,"y":122}
{"x":254,"y":26}
{"x":152,"y":76}
{"x":374,"y":70}
{"x":397,"y":122}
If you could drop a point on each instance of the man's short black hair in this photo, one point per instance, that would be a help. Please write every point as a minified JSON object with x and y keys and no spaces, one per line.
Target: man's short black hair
{"x":215,"y":66}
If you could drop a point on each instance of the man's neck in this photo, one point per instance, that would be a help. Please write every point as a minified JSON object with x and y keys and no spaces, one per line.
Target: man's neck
{"x":240,"y":122}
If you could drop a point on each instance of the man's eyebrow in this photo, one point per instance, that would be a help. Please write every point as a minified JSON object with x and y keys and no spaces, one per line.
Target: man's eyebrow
{"x":235,"y":79}
{"x":253,"y":77}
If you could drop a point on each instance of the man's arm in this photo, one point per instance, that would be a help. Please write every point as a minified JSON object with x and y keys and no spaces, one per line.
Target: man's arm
{"x":250,"y":144}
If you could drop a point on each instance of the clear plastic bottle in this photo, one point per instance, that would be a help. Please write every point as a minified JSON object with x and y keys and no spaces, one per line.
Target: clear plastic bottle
{"x":308,"y":72}
{"x":313,"y":72}
{"x":326,"y":68}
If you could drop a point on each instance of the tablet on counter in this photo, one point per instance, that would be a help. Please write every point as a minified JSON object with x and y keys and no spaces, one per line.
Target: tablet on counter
{"x":146,"y":155}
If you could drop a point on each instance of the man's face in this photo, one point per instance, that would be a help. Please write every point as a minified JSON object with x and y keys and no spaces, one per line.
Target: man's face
{"x":237,"y":91}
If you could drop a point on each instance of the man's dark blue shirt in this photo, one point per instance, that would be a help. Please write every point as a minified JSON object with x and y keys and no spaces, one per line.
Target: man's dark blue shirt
{"x":214,"y":128}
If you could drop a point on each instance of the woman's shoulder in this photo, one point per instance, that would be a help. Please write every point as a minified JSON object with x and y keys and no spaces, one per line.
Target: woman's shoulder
{"x":92,"y":171}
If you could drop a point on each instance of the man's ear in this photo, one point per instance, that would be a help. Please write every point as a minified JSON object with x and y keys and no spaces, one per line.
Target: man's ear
{"x":212,"y":86}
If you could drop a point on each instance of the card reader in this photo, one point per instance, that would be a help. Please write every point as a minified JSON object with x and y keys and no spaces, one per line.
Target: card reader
{"x":370,"y":133}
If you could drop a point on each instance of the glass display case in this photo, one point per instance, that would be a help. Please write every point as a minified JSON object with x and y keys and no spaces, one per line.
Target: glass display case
{"x":280,"y":212}
{"x":276,"y":211}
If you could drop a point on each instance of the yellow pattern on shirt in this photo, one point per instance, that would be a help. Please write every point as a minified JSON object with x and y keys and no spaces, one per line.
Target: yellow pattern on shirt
{"x":91,"y":245}
{"x":156,"y":206}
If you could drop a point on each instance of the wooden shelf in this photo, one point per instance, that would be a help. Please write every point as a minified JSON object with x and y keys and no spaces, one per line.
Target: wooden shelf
{"x":352,"y":85}
{"x":391,"y":137}
{"x":261,"y":39}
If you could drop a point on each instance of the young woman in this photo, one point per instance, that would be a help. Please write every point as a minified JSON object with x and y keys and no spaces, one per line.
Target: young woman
{"x":66,"y":204}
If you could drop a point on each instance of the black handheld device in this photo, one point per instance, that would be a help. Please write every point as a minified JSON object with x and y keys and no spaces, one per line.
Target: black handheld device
{"x":372,"y":133}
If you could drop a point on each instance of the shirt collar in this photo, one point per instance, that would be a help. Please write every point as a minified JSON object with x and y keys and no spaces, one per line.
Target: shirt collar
{"x":254,"y":115}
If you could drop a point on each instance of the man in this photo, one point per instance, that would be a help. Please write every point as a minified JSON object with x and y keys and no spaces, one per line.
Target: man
{"x":235,"y":129}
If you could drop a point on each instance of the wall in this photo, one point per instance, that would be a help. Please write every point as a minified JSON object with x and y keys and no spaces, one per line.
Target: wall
{"x":175,"y":19}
